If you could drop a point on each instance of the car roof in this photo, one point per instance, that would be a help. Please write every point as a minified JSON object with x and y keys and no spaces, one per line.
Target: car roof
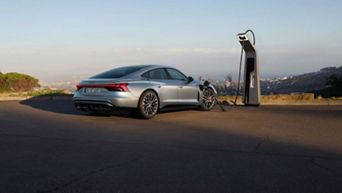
{"x":145,"y":68}
{"x":148,"y":67}
{"x":156,"y":66}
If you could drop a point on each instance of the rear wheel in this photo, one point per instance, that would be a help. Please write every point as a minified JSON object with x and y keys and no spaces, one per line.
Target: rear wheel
{"x":208,"y":99}
{"x":148,"y":104}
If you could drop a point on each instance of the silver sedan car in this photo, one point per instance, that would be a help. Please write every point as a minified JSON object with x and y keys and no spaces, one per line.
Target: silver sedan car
{"x":146,"y":88}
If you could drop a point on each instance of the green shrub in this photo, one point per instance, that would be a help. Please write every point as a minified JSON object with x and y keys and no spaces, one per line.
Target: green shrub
{"x":16,"y":82}
{"x":334,"y":87}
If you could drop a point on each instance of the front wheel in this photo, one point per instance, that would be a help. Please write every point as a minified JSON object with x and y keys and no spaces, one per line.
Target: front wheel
{"x":148,"y":104}
{"x":208,"y":99}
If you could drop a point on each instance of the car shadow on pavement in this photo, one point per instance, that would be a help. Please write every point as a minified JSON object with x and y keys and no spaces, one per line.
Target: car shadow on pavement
{"x":66,"y":106}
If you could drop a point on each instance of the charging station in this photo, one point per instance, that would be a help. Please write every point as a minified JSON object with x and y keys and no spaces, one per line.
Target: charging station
{"x":251,"y":92}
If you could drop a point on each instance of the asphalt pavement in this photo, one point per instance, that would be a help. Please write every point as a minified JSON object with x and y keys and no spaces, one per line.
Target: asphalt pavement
{"x":48,"y":146}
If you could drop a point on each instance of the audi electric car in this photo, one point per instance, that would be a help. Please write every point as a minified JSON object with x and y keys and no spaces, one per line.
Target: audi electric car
{"x":146,"y":88}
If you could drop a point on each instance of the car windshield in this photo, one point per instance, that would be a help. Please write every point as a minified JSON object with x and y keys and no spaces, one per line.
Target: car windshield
{"x":117,"y":72}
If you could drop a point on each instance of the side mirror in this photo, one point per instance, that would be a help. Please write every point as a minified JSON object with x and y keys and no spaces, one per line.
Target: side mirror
{"x":206,"y":83}
{"x":190,"y":79}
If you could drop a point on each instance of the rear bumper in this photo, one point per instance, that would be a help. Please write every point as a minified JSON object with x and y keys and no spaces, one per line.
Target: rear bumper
{"x":99,"y":106}
{"x":109,"y":101}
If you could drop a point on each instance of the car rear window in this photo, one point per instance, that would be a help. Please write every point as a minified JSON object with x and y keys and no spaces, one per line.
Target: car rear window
{"x":117,"y":72}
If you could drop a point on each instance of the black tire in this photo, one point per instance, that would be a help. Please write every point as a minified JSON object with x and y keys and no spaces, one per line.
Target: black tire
{"x":148,"y":104}
{"x":208,"y":99}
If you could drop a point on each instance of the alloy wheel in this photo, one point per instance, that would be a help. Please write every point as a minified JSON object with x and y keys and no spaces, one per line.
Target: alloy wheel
{"x":208,"y":98}
{"x":149,"y":104}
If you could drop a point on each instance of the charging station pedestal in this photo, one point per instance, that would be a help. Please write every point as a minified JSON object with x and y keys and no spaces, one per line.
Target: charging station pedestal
{"x":251,"y":94}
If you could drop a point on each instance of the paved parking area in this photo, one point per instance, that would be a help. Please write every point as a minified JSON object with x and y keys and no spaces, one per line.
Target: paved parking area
{"x":47,"y":146}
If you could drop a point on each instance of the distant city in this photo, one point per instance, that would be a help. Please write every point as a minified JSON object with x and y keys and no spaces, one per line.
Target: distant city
{"x":228,"y":86}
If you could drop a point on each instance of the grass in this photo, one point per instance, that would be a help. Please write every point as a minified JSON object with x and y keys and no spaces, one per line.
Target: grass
{"x":46,"y":92}
{"x":49,"y":93}
{"x":289,"y":98}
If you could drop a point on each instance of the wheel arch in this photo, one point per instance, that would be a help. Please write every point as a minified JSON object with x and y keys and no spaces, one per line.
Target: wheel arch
{"x":149,"y":89}
{"x":212,"y":87}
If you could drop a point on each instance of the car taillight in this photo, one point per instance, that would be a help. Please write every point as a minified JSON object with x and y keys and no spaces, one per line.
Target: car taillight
{"x":78,"y":86}
{"x":121,"y":87}
{"x":118,"y":87}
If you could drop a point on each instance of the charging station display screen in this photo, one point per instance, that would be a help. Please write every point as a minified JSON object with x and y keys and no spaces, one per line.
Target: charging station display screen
{"x":249,"y":71}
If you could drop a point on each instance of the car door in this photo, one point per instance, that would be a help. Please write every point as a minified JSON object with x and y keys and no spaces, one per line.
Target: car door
{"x":187,"y":92}
{"x":167,"y":90}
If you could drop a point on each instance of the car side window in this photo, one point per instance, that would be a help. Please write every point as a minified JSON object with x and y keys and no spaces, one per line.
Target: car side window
{"x":146,"y":75}
{"x":176,"y":75}
{"x":156,"y":74}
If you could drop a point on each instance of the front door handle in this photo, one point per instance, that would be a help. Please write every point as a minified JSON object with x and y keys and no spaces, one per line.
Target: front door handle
{"x":181,"y":87}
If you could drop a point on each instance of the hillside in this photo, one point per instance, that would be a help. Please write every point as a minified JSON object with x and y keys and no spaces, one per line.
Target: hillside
{"x":16,"y":82}
{"x":308,"y":82}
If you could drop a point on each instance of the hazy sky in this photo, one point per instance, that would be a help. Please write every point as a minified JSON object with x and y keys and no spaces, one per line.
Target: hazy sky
{"x":74,"y":39}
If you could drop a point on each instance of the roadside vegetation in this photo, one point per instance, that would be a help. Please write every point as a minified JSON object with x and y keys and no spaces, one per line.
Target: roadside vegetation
{"x":284,"y":97}
{"x":44,"y":92}
{"x":16,"y":82}
{"x":49,"y":92}
{"x":302,"y":98}
{"x":333,"y":89}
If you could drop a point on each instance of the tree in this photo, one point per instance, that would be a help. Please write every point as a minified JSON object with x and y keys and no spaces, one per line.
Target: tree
{"x":335,"y":82}
{"x":14,"y":82}
{"x":334,"y":88}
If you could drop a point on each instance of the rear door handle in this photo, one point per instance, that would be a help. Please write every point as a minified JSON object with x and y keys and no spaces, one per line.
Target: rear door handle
{"x":181,"y":87}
